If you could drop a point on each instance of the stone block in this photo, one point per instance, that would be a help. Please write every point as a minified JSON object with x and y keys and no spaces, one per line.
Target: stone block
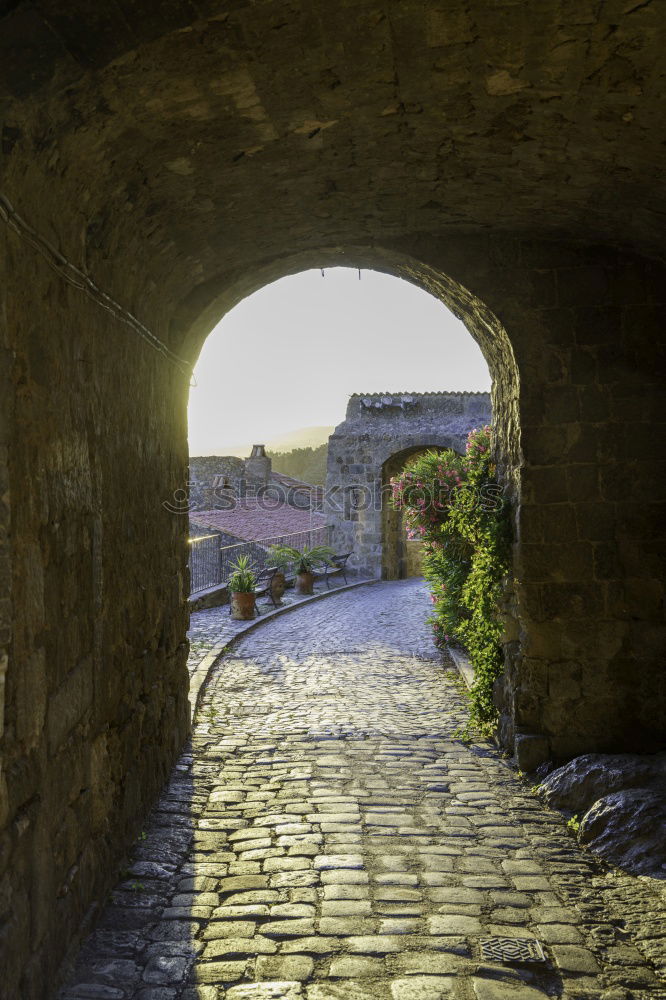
{"x":530,"y":750}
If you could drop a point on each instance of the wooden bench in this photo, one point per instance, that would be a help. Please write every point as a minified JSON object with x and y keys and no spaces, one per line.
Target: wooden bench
{"x":264,"y":585}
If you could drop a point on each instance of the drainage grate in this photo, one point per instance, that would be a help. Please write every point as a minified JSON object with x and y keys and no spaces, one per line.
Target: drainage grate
{"x":506,"y":949}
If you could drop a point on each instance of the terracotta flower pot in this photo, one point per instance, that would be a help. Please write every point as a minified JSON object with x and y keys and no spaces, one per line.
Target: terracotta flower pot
{"x":278,"y":586}
{"x":242,"y":605}
{"x":304,"y":582}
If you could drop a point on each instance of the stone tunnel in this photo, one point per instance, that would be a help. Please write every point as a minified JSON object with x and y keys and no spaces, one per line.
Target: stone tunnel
{"x":162,"y":160}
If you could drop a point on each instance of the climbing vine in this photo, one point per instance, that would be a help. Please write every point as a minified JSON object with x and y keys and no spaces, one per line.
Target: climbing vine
{"x":454,"y":504}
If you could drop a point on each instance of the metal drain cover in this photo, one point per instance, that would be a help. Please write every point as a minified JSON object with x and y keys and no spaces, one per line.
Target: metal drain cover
{"x":506,"y":949}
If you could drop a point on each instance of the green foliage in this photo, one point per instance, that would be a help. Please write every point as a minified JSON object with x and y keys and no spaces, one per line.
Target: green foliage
{"x":277,"y":557}
{"x":307,"y":464}
{"x":303,"y":560}
{"x":242,"y":579}
{"x":453,"y":503}
{"x":573,"y":824}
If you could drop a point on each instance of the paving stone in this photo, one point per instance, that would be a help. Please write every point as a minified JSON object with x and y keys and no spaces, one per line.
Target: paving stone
{"x":374,"y":944}
{"x":288,"y":928}
{"x":239,"y":946}
{"x":344,"y":877}
{"x":280,"y":968}
{"x":346,"y":925}
{"x":407,"y":879}
{"x":157,"y":993}
{"x":235,"y":911}
{"x":265,"y":991}
{"x":251,"y":897}
{"x":338,"y":891}
{"x":315,"y":945}
{"x":220,"y":972}
{"x":570,"y":958}
{"x":422,"y":988}
{"x":353,"y":967}
{"x":229,"y":929}
{"x":399,"y":895}
{"x":347,"y":989}
{"x":167,"y":969}
{"x":395,"y":925}
{"x":426,"y":962}
{"x":508,"y":915}
{"x":346,"y":908}
{"x":293,"y":910}
{"x":336,"y":861}
{"x":293,"y":880}
{"x":239,"y":882}
{"x":558,"y":934}
{"x":490,"y":990}
{"x":454,"y":924}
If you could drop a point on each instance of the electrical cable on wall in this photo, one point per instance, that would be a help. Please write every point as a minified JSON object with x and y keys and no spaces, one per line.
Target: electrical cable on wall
{"x":78,"y":279}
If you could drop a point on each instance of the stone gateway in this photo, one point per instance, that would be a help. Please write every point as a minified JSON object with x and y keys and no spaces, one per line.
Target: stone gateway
{"x":381,"y":431}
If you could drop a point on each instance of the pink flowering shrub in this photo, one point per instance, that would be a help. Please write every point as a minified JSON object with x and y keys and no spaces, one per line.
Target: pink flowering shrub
{"x":455,"y":505}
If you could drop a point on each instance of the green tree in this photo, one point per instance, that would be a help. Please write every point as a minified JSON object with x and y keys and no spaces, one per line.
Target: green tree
{"x":308,"y":464}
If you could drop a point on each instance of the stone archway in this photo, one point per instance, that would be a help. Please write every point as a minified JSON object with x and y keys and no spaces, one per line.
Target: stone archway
{"x":399,"y":554}
{"x":500,"y":157}
{"x":379,"y":432}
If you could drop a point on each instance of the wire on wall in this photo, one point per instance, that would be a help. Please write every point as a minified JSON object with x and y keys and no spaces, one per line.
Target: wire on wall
{"x":78,"y":279}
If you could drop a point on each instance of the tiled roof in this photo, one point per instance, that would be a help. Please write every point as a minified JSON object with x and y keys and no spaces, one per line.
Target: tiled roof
{"x":251,"y":522}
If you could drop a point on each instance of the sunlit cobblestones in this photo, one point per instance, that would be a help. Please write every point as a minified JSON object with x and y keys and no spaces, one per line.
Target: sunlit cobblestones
{"x":329,"y":838}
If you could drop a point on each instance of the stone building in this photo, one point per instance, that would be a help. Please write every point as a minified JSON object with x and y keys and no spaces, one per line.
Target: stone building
{"x":159,"y":162}
{"x":380,"y":433}
{"x":214,"y":480}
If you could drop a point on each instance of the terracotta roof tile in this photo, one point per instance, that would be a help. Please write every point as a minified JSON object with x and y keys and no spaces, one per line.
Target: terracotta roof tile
{"x":250,"y":522}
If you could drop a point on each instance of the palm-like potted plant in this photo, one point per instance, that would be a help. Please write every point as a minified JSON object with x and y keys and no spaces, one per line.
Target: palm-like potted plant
{"x":277,"y":558}
{"x":304,"y":561}
{"x":241,"y":587}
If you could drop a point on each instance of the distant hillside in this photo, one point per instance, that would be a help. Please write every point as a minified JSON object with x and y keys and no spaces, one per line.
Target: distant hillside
{"x":308,"y":464}
{"x":305,"y":437}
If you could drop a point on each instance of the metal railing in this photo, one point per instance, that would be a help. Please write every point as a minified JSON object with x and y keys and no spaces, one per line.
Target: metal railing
{"x":204,"y":562}
{"x":210,"y":563}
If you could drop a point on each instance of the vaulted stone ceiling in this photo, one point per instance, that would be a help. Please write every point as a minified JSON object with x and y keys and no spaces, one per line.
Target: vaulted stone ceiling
{"x":200,"y":136}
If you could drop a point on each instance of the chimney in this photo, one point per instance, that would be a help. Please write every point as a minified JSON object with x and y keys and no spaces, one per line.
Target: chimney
{"x":258,"y":465}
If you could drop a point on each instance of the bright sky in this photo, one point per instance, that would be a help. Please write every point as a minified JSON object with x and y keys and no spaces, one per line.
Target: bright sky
{"x":290,"y":355}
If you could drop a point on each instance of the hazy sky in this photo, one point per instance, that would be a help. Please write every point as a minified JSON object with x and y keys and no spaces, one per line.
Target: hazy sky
{"x":290,"y":355}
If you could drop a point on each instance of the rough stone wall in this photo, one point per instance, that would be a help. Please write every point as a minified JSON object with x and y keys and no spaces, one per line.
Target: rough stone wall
{"x":380,"y":429}
{"x":96,"y":688}
{"x":585,"y":658}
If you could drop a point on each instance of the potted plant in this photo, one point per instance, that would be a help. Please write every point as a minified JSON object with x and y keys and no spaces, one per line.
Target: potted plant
{"x":304,"y":562}
{"x":281,"y":562}
{"x":241,"y":587}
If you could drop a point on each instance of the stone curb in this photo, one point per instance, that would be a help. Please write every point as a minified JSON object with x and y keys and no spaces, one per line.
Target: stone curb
{"x":463,"y":665}
{"x":200,"y":676}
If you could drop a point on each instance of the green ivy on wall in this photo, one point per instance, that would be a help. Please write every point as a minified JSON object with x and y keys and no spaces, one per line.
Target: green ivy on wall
{"x":454,"y":504}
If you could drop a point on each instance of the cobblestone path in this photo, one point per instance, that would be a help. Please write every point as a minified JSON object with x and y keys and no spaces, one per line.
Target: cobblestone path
{"x":212,"y":628}
{"x":330,"y":839}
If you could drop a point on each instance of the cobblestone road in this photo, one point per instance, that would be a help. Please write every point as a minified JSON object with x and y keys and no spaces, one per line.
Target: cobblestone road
{"x":212,"y":628}
{"x":330,"y":839}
